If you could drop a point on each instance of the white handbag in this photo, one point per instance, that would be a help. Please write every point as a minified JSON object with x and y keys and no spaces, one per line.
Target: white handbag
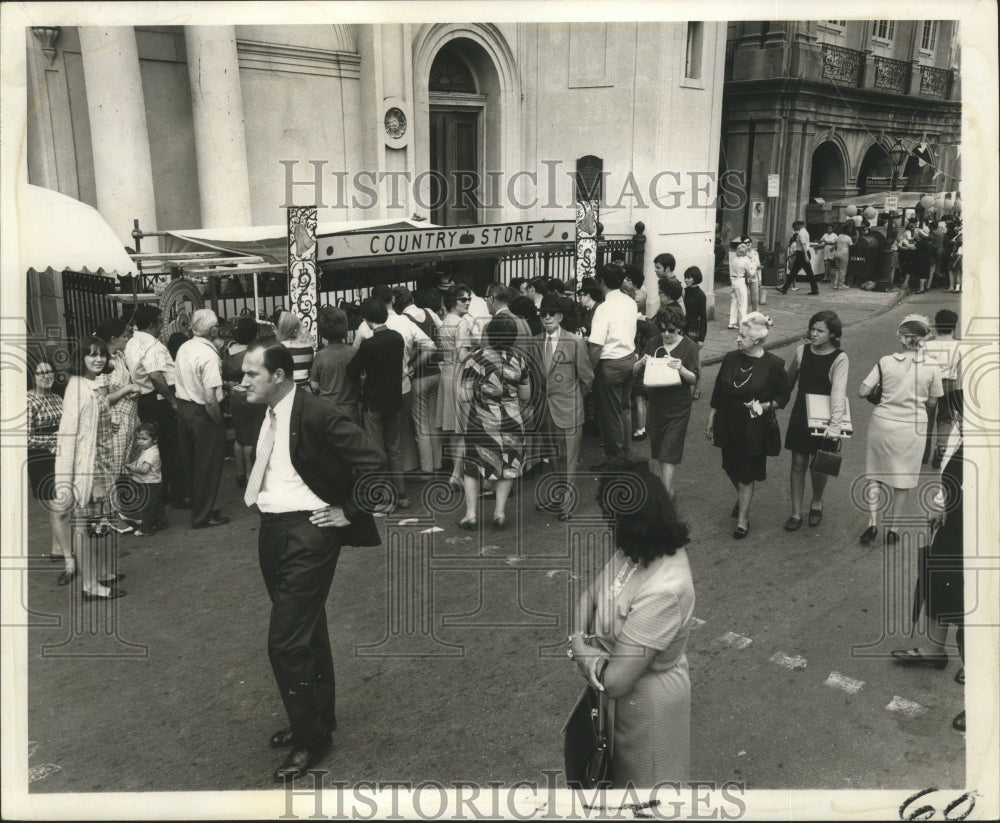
{"x":659,"y":373}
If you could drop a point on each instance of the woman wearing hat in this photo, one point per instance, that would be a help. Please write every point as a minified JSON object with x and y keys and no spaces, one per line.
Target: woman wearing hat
{"x":740,"y":273}
{"x":911,"y":386}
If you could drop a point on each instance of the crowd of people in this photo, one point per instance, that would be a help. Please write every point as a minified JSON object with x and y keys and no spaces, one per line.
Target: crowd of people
{"x":498,"y":385}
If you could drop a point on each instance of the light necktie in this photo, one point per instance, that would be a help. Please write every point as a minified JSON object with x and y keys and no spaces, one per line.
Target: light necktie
{"x":550,"y":351}
{"x":256,"y":479}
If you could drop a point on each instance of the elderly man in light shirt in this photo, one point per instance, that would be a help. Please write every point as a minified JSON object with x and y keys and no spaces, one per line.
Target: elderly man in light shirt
{"x":612,"y":354}
{"x":200,"y":429}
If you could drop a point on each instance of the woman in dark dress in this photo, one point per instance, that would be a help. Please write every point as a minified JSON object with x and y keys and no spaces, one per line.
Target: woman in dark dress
{"x":669,"y":407}
{"x":820,"y":367}
{"x":750,"y":385}
{"x":940,"y":590}
{"x":247,"y":417}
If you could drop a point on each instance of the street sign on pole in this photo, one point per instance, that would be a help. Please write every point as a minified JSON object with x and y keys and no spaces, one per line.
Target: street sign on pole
{"x":891,"y":202}
{"x":773,"y":185}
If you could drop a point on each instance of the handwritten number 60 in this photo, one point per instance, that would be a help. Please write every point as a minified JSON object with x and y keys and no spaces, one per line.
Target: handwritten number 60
{"x":927,"y":812}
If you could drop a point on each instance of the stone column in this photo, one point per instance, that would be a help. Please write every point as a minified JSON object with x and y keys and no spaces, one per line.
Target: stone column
{"x":220,"y":142}
{"x":123,"y":171}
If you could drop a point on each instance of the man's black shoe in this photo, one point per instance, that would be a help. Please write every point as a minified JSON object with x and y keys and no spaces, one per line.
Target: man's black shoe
{"x":283,"y":737}
{"x":300,"y":760}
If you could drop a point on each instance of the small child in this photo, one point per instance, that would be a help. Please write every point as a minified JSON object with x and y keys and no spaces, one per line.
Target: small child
{"x":146,"y":472}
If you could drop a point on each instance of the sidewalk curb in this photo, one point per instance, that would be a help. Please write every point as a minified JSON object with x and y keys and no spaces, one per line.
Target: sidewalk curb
{"x":792,"y":338}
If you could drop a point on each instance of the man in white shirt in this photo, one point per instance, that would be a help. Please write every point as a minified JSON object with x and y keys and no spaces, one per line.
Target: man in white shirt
{"x":417,"y":346}
{"x":612,"y":355}
{"x":200,"y":428}
{"x":801,"y":247}
{"x":152,"y":369}
{"x":303,"y":484}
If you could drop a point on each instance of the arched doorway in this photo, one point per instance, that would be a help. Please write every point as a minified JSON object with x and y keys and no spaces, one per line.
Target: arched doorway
{"x":488,"y":58}
{"x":456,"y":121}
{"x":919,"y":178}
{"x":875,"y":172}
{"x":826,"y":179}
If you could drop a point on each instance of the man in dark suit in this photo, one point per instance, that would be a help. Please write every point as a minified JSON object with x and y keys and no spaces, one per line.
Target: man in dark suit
{"x":303,"y":482}
{"x":569,"y":374}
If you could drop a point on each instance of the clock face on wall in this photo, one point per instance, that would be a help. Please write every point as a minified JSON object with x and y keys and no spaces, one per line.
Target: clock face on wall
{"x":395,"y":123}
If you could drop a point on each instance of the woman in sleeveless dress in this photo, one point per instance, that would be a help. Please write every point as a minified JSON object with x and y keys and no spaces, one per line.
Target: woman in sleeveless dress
{"x":820,"y":367}
{"x":456,"y":306}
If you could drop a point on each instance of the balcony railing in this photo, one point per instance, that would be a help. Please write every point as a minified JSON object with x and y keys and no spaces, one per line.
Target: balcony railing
{"x":935,"y":82}
{"x":892,"y":75}
{"x":843,"y":65}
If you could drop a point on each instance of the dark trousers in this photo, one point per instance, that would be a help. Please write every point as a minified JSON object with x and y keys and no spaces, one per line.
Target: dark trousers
{"x":155,"y":409}
{"x":801,"y":263}
{"x":613,"y":390}
{"x":203,"y":451}
{"x":297,"y":561}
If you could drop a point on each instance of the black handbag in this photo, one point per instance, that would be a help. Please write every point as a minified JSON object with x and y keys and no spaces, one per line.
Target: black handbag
{"x":586,"y":748}
{"x":772,"y":436}
{"x":875,"y":395}
{"x":827,"y":458}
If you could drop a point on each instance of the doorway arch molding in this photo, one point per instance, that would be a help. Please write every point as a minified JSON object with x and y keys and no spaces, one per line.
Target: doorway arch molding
{"x":428,"y":41}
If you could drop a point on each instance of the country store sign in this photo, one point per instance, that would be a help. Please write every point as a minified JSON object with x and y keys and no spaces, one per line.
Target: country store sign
{"x":443,"y":239}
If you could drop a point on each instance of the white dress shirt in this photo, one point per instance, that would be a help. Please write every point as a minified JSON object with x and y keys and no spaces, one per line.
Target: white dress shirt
{"x":413,"y":339}
{"x":614,"y":324}
{"x":199,"y":374}
{"x":283,"y":489}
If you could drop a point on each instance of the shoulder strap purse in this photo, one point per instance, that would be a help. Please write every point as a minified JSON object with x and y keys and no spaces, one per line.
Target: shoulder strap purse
{"x":875,"y":395}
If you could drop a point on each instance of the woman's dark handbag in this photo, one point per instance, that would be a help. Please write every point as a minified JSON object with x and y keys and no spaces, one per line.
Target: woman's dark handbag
{"x":875,"y":395}
{"x":586,"y":748}
{"x":772,"y":436}
{"x":827,"y":458}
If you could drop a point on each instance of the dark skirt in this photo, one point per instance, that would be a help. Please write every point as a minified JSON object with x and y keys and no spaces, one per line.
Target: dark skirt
{"x":41,"y":473}
{"x":247,"y":418}
{"x":797,"y":436}
{"x":667,"y":427}
{"x":743,"y":468}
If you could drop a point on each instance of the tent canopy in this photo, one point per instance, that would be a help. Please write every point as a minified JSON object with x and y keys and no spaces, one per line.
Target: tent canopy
{"x":907,"y":199}
{"x":56,"y":233}
{"x":269,"y":242}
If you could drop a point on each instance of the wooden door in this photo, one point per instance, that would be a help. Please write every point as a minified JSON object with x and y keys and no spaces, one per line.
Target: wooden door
{"x":455,"y":196}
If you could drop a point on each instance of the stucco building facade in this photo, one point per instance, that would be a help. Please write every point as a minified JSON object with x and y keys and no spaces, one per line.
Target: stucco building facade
{"x":187,"y":127}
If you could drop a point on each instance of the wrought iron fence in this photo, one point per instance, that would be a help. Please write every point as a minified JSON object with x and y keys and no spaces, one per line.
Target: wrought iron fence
{"x":84,"y":301}
{"x":935,"y":82}
{"x":843,"y":65}
{"x":892,"y":75}
{"x":556,"y":262}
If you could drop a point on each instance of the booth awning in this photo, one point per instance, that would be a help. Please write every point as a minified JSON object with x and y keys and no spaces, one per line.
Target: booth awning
{"x":269,"y":242}
{"x":58,"y":233}
{"x":907,"y":199}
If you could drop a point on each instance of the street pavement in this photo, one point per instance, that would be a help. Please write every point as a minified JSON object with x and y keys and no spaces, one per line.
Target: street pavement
{"x":450,"y":646}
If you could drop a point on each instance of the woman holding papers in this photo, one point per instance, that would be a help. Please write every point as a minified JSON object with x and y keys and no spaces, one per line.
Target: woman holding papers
{"x":820,"y":368}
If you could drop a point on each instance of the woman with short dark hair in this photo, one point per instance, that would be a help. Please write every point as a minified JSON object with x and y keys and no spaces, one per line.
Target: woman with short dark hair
{"x":44,"y":414}
{"x":820,"y":368}
{"x":494,"y":385}
{"x":630,"y":631}
{"x":85,"y":464}
{"x":668,"y":408}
